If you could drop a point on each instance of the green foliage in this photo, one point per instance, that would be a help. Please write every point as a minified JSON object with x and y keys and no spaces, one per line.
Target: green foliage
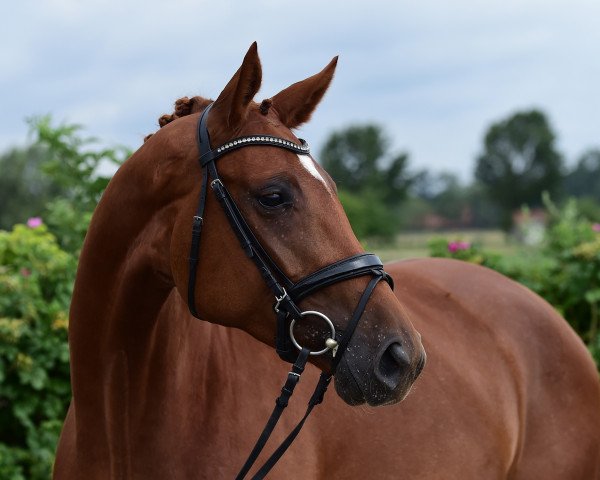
{"x":566,"y":271}
{"x":574,"y":284}
{"x":36,"y":279}
{"x":72,"y":164}
{"x":59,"y":167}
{"x":457,"y":249}
{"x":519,"y":162}
{"x":584,"y":179}
{"x":24,"y":189}
{"x":412,"y":212}
{"x":37,"y":270}
{"x":368,"y":216}
{"x":372,"y":182}
{"x":445,"y":197}
{"x":589,"y":208}
{"x":450,"y":201}
{"x":358,"y":159}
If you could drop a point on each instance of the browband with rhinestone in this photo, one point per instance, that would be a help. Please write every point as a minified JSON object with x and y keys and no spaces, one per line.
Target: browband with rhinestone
{"x":250,"y":140}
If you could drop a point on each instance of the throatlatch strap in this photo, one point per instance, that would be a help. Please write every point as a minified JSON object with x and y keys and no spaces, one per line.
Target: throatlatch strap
{"x":195,"y":247}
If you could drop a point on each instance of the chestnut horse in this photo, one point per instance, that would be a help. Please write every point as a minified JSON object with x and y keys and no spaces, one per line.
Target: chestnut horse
{"x":509,"y":391}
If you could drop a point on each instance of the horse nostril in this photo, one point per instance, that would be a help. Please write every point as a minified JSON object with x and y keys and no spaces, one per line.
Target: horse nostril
{"x":399,"y":354}
{"x":392,"y":365}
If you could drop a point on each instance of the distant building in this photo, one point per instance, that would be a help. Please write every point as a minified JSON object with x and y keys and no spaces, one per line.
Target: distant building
{"x":529,"y":225}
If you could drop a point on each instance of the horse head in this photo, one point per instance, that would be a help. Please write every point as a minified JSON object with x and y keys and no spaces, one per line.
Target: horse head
{"x":290,"y":205}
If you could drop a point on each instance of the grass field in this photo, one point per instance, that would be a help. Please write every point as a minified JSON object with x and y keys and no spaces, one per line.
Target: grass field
{"x":414,"y":244}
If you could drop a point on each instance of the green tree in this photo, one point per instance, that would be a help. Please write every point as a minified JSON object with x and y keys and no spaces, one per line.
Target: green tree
{"x":57,"y":177}
{"x":485,"y":212}
{"x":372,"y":181}
{"x":368,"y":216}
{"x":73,"y":163}
{"x":461,"y":205}
{"x":584,"y":179}
{"x":519,"y":162}
{"x":449,"y":198}
{"x":358,"y":159}
{"x":24,"y":188}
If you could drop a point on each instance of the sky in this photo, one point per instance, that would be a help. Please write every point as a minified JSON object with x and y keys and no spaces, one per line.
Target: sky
{"x":435,"y":75}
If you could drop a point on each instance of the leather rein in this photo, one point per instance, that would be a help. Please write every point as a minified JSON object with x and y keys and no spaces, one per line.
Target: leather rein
{"x":287,"y":293}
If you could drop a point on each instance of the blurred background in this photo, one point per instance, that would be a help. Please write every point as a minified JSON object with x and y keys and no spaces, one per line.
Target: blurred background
{"x":467,"y":130}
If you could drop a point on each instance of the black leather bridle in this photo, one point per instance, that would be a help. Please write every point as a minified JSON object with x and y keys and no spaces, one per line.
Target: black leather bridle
{"x":287,"y":293}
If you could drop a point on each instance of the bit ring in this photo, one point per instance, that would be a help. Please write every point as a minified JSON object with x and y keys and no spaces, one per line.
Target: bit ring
{"x":315,"y":314}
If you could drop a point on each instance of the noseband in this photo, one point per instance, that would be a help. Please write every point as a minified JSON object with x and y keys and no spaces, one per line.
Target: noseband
{"x":287,"y":293}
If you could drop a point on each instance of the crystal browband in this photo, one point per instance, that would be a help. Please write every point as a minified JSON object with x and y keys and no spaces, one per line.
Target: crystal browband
{"x":250,"y":140}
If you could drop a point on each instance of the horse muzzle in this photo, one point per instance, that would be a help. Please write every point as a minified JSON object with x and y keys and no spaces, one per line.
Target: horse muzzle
{"x":382,"y":377}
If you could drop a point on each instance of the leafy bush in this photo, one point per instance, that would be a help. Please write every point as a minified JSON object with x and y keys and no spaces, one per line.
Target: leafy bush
{"x":458,"y":249}
{"x":574,"y":283}
{"x":37,"y":270}
{"x":72,"y":164}
{"x":565,"y":271}
{"x":36,"y":279}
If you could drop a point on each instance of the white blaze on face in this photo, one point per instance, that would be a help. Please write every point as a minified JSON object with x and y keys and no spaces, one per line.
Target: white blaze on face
{"x":309,"y":164}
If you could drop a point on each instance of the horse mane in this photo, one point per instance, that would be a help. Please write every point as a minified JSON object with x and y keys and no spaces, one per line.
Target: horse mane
{"x":186,"y":106}
{"x":183,"y":106}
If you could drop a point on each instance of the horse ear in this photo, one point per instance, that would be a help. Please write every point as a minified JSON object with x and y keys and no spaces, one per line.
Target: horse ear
{"x":232,"y":104}
{"x":295,"y":104}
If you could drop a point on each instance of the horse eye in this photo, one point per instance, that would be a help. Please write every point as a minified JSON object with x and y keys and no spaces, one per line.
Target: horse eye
{"x":271,"y":200}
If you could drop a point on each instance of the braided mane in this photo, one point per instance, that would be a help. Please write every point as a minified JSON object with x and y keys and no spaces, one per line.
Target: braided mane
{"x":186,"y":106}
{"x":183,"y":106}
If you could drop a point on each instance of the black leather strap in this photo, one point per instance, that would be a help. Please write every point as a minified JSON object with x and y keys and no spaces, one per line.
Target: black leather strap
{"x":356,"y":266}
{"x":264,"y":262}
{"x":315,"y":399}
{"x":281,"y":403}
{"x":198,"y":222}
{"x":353,"y":323}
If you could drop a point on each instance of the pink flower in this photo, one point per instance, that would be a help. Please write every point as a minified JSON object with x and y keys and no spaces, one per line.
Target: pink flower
{"x":596,"y":227}
{"x":454,"y":247}
{"x":34,"y":222}
{"x":25,"y":272}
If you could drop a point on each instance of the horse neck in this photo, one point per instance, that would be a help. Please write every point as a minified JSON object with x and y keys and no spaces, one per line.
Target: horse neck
{"x":124,"y":288}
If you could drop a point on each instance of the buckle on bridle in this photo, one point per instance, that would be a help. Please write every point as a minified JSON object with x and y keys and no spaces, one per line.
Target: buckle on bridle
{"x":278,"y":300}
